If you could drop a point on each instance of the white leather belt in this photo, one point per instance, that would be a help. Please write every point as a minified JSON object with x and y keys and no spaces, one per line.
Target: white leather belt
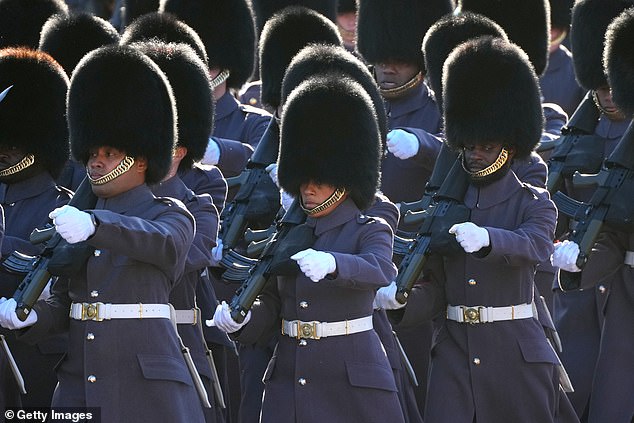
{"x":106,"y":311}
{"x":186,"y":317}
{"x":315,"y":330}
{"x":482,"y":314}
{"x":629,"y":258}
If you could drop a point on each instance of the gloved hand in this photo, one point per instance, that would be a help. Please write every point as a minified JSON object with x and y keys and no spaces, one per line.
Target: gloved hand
{"x":222,"y":319}
{"x":216,"y":252}
{"x":8,"y":317}
{"x":72,"y":224}
{"x":565,"y":256}
{"x":402,"y":144}
{"x":212,"y":153}
{"x":315,"y":264}
{"x":470,"y":236}
{"x":287,"y":199}
{"x":272,"y":171}
{"x":385,"y":298}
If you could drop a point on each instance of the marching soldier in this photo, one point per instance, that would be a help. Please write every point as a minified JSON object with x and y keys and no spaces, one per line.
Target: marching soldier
{"x":123,"y":346}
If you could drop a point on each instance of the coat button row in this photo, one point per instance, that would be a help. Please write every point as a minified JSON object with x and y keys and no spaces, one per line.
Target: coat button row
{"x":90,"y":336}
{"x":92,"y":378}
{"x":303,"y":304}
{"x":602,"y":289}
{"x":303,"y":343}
{"x":94,"y":294}
{"x":301,"y":381}
{"x":472,"y":282}
{"x":476,"y":361}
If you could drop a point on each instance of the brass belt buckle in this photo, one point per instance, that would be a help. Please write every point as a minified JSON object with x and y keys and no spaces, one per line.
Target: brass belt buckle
{"x":471,"y":315}
{"x":91,"y":311}
{"x":307,"y":330}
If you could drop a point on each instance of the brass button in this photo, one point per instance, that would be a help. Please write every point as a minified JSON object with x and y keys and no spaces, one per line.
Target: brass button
{"x":90,"y":336}
{"x":303,"y":304}
{"x":301,"y":381}
{"x":472,"y":282}
{"x":253,"y":101}
{"x":602,"y":289}
{"x":303,"y":342}
{"x":94,"y":294}
{"x":97,"y":253}
{"x":476,"y":361}
{"x":92,"y":379}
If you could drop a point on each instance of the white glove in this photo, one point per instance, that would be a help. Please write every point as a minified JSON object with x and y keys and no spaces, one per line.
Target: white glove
{"x":72,"y":224}
{"x":402,"y":144}
{"x":216,"y":252}
{"x":385,"y":298}
{"x":315,"y":264}
{"x":212,"y":153}
{"x":8,"y":317}
{"x":272,"y":171}
{"x":287,"y":199}
{"x":565,"y":256}
{"x":223,"y":320}
{"x":470,"y":236}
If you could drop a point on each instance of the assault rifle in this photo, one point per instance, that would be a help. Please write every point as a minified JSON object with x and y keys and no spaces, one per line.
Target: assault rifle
{"x":433,"y":235}
{"x":610,"y":204}
{"x":292,"y":235}
{"x":58,"y":258}
{"x":578,"y":149}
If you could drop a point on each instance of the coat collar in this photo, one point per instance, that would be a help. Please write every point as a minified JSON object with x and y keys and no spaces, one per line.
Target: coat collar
{"x":344,"y":212}
{"x":225,"y":105}
{"x":126,"y":201}
{"x":416,"y":99}
{"x":495,"y":193}
{"x":173,"y":187}
{"x":28,"y":188}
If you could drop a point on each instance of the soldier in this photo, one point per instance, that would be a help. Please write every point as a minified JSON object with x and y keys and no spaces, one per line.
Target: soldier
{"x":123,"y":346}
{"x":347,"y":23}
{"x":329,"y":160}
{"x":509,"y":232}
{"x":22,"y":20}
{"x":34,"y":148}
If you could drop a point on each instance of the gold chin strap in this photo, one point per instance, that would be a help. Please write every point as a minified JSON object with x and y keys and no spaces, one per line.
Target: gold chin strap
{"x":336,"y":196}
{"x":27,"y":161}
{"x":494,"y":167}
{"x":121,"y":168}
{"x":399,"y":91}
{"x":220,"y":78}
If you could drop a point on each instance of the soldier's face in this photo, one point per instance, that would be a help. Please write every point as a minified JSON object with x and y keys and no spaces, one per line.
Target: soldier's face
{"x":481,"y":156}
{"x":603,"y":96}
{"x":11,"y":156}
{"x":394,"y":74}
{"x":104,"y":160}
{"x":313,"y":194}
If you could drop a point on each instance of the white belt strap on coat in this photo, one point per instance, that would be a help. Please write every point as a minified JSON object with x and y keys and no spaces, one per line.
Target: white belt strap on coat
{"x":483,"y":314}
{"x":315,"y":330}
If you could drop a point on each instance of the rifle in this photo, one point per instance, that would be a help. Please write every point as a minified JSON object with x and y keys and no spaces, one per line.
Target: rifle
{"x":58,"y":258}
{"x":610,"y":204}
{"x":291,"y":236}
{"x":433,"y":235}
{"x":577,"y":148}
{"x":258,"y":196}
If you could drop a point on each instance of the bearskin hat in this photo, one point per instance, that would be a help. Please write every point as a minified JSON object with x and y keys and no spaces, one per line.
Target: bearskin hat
{"x":321,"y":59}
{"x":346,"y":6}
{"x":22,"y":20}
{"x":227,"y":29}
{"x":132,"y":9}
{"x":265,"y":9}
{"x":190,"y":83}
{"x":619,"y":60}
{"x":446,"y":34}
{"x":560,"y":13}
{"x":329,"y":134}
{"x":491,"y":93}
{"x":69,"y":37}
{"x":590,"y":20}
{"x":393,"y":30}
{"x":120,"y":98}
{"x":33,"y":112}
{"x":165,"y":27}
{"x":526,"y":22}
{"x":283,"y":36}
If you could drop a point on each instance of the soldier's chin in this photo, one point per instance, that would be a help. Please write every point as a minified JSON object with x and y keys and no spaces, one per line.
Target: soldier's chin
{"x":489,"y":179}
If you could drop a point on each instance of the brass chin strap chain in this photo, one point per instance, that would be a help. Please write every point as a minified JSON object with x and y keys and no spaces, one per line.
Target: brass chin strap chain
{"x":399,"y":91}
{"x":336,"y":196}
{"x":121,"y":168}
{"x":497,"y":164}
{"x":18,"y":167}
{"x":220,"y":78}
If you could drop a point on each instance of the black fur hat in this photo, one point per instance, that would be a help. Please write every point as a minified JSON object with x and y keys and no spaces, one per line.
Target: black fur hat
{"x":283,"y":36}
{"x":491,"y":94}
{"x":526,"y":22}
{"x":33,"y":112}
{"x":265,"y":9}
{"x":329,"y":134}
{"x":190,"y":83}
{"x":321,"y":59}
{"x":164,"y":27}
{"x":227,"y":29}
{"x":590,"y":20}
{"x":22,"y":20}
{"x":132,"y":9}
{"x":120,"y":98}
{"x":560,"y":13}
{"x":446,"y":34}
{"x":393,"y":30}
{"x":69,"y":37}
{"x":346,"y":6}
{"x":619,"y":60}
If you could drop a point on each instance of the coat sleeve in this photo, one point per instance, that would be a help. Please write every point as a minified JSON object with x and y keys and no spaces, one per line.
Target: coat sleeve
{"x":206,"y":216}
